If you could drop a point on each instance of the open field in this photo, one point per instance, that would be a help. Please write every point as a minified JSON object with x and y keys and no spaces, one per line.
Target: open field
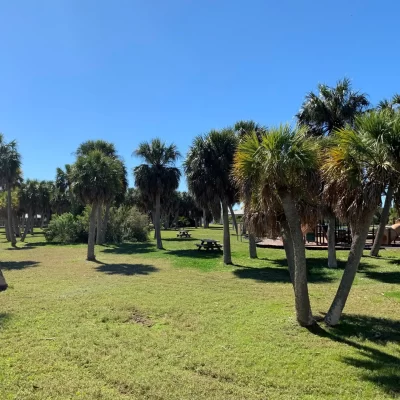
{"x":178,"y":324}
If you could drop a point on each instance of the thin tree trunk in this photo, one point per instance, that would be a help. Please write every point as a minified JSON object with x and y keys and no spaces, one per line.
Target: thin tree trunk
{"x":359,"y":236}
{"x":99,"y":224}
{"x":3,"y":283}
{"x":8,"y":237}
{"x":302,"y":300}
{"x":26,"y":228}
{"x":205,"y":219}
{"x":195,"y":223}
{"x":332,"y":262}
{"x":33,"y":217}
{"x":92,"y":233}
{"x":233,"y":219}
{"x":11,"y":232}
{"x":288,"y":246}
{"x":158,"y":222}
{"x":252,"y":246}
{"x":16,"y":225}
{"x":382,"y":223}
{"x":105,"y":224}
{"x":227,"y":235}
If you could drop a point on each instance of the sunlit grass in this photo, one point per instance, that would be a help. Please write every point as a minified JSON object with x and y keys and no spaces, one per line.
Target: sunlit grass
{"x":178,"y":324}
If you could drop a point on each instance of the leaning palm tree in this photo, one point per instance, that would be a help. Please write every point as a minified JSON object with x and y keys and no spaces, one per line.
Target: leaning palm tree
{"x":355,"y":169}
{"x":10,"y":171}
{"x":95,"y":178}
{"x":391,"y":139}
{"x":208,"y":167}
{"x":157,"y":176}
{"x":332,"y":108}
{"x":276,"y":175}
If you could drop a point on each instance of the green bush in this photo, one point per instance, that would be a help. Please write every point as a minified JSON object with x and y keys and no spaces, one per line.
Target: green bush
{"x":127,"y":224}
{"x":63,"y":229}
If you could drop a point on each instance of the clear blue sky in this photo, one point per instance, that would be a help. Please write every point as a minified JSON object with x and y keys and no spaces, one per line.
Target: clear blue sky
{"x":127,"y":71}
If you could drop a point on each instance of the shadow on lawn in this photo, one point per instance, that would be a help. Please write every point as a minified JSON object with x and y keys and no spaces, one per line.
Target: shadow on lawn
{"x":179,"y":239}
{"x":377,"y":366}
{"x":130,"y":248}
{"x":383,"y":276}
{"x":4,"y":318}
{"x":194,"y":253}
{"x":126,"y":269}
{"x":17,"y":265}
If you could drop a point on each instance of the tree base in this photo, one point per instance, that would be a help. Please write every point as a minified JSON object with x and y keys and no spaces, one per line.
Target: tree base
{"x":91,"y":259}
{"x":3,"y":288}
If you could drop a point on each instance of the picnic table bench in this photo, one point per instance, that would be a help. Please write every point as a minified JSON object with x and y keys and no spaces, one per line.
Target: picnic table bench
{"x":183,"y":234}
{"x":209,"y":244}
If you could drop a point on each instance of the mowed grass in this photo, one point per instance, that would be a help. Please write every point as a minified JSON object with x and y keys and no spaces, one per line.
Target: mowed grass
{"x":178,"y":324}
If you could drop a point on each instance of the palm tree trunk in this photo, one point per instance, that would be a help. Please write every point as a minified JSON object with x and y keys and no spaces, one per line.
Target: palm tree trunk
{"x":16,"y":224}
{"x":233,"y":219}
{"x":359,"y":236}
{"x":8,"y":237}
{"x":252,"y":246}
{"x":157,"y":221}
{"x":27,"y":225}
{"x":105,"y":223}
{"x":332,"y":262}
{"x":302,"y":300}
{"x":11,"y":232}
{"x":288,"y":246}
{"x":99,"y":224}
{"x":3,"y":283}
{"x":227,"y":235}
{"x":382,"y":223}
{"x":205,"y":219}
{"x":92,"y":233}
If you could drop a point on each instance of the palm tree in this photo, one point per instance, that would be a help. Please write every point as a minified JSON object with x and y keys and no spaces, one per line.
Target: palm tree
{"x":157,"y":176}
{"x":29,"y":201}
{"x":355,"y":169}
{"x":96,"y":178}
{"x":332,"y":108}
{"x":46,"y":188}
{"x":391,"y":138}
{"x":208,"y":167}
{"x":276,"y":173}
{"x":10,"y":171}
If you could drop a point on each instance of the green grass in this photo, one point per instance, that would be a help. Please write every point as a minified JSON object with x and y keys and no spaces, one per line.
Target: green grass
{"x":178,"y":324}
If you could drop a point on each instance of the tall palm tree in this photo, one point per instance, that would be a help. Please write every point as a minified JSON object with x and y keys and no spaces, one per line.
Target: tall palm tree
{"x":355,"y":169}
{"x":391,"y":138}
{"x":157,"y":176}
{"x":208,"y":167}
{"x":10,"y":171}
{"x":29,"y":201}
{"x":332,"y":108}
{"x":96,"y":178}
{"x":275,"y":175}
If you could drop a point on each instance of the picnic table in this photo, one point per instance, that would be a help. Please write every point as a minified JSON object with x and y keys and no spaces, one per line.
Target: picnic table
{"x":209,"y":244}
{"x":183,"y":234}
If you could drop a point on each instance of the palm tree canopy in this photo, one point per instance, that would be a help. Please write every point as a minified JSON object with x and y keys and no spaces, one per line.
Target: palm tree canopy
{"x":10,"y":162}
{"x":157,"y":173}
{"x":96,"y":177}
{"x":103,"y":146}
{"x":332,"y":108}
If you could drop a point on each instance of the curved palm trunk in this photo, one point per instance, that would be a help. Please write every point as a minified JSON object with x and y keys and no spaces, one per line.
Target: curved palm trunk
{"x":233,"y":219}
{"x":359,"y":236}
{"x":99,"y":224}
{"x":382,"y":223}
{"x":332,"y":261}
{"x":92,"y":233}
{"x":3,"y":283}
{"x":157,"y":222}
{"x":11,"y":232}
{"x":227,"y":235}
{"x":302,"y":300}
{"x":288,"y":246}
{"x":252,"y":246}
{"x":27,"y":225}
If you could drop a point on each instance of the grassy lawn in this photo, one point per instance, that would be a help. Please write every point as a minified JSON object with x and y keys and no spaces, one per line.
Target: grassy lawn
{"x":178,"y":324}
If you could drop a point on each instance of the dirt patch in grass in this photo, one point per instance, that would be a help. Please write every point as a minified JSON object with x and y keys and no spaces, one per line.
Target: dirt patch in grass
{"x":138,"y":317}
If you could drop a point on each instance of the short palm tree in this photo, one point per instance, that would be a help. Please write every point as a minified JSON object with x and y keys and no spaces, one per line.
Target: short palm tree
{"x":10,"y":171}
{"x":208,"y":168}
{"x":355,"y":169}
{"x":275,"y":175}
{"x":332,"y":108}
{"x":96,"y":178}
{"x":157,"y":176}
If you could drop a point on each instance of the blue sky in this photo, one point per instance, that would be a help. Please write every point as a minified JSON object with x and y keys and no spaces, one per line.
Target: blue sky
{"x":127,"y":71}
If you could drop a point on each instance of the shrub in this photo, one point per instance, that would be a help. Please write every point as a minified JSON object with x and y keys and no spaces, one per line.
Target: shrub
{"x":127,"y":224}
{"x":63,"y":229}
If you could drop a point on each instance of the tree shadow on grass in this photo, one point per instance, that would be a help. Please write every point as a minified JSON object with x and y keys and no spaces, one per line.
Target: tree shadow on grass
{"x":17,"y":265}
{"x":383,"y":276}
{"x":130,"y":248}
{"x":180,"y":239}
{"x":126,"y":269}
{"x":4,"y":318}
{"x":376,"y":366}
{"x":194,"y":253}
{"x":267,"y":274}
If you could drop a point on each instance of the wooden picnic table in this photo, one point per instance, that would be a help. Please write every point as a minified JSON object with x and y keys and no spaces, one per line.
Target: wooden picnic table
{"x":183,"y":234}
{"x":209,"y":244}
